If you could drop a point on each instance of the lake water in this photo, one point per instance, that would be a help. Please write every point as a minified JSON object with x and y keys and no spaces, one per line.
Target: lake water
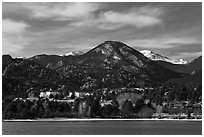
{"x":106,"y":127}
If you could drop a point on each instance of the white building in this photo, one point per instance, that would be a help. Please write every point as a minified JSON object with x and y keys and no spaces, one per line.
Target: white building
{"x":47,"y":94}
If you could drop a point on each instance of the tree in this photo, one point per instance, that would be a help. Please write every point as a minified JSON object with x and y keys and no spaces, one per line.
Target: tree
{"x":56,"y":96}
{"x":95,"y":108}
{"x":21,"y":108}
{"x":34,"y":109}
{"x":28,"y":104}
{"x":115,"y":109}
{"x":46,"y":107}
{"x":107,"y":110}
{"x":51,"y":96}
{"x":139,"y":104}
{"x":127,"y":108}
{"x":40,"y":110}
{"x":171,"y":95}
{"x":10,"y":111}
{"x":61,"y":96}
{"x":76,"y":105}
{"x":73,"y":95}
{"x":6,"y":101}
{"x":145,"y":112}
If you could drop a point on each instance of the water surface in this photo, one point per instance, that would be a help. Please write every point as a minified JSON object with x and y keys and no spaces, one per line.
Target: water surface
{"x":107,"y":127}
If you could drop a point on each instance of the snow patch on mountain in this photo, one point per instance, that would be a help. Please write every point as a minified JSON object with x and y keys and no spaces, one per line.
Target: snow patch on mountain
{"x":76,"y":53}
{"x":21,"y":57}
{"x":155,"y":57}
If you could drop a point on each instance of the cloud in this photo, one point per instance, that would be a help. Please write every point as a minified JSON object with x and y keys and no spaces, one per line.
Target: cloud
{"x":186,"y":55}
{"x":13,"y":38}
{"x":14,"y":27}
{"x":163,"y":42}
{"x":181,"y":41}
{"x":13,"y":43}
{"x":138,"y":17}
{"x":90,"y":14}
{"x":34,"y":28}
{"x":189,"y":54}
{"x":61,"y":11}
{"x":142,"y":17}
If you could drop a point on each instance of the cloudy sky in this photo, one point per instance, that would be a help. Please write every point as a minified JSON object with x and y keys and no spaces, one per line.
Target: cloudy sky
{"x":170,"y":29}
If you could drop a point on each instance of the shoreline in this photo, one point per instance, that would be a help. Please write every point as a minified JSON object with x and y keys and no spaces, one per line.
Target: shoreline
{"x":91,"y":119}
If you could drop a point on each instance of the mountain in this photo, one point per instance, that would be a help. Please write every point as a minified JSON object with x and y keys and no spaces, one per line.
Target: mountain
{"x":188,"y":68}
{"x":29,"y":70}
{"x":76,"y":53}
{"x":191,"y":80}
{"x":193,"y":66}
{"x":173,"y":67}
{"x":113,"y":53}
{"x":179,"y":65}
{"x":117,"y":56}
{"x":18,"y":77}
{"x":6,"y":60}
{"x":54,"y":61}
{"x":157,"y":57}
{"x":111,"y":64}
{"x":49,"y":61}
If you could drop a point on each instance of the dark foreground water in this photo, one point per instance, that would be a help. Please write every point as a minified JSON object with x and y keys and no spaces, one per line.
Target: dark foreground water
{"x":103,"y":128}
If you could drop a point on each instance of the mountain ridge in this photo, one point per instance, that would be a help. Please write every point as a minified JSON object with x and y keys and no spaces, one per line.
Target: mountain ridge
{"x":157,"y":57}
{"x":110,"y":61}
{"x":73,"y":53}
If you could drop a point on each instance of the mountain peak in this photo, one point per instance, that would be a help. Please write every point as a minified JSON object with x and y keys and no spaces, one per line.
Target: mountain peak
{"x":157,"y":57}
{"x":115,"y":53}
{"x":111,"y":44}
{"x":109,"y":47}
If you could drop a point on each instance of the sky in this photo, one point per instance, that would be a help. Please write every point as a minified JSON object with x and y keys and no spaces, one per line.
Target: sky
{"x":170,"y":29}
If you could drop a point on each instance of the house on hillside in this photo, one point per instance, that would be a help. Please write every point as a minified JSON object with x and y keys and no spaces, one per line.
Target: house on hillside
{"x":47,"y":94}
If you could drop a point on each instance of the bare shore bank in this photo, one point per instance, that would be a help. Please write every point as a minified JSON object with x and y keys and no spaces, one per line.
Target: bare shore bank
{"x":94,"y":119}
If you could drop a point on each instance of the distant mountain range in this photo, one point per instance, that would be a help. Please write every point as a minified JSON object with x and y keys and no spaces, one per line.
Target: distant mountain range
{"x":111,"y":64}
{"x":149,"y":54}
{"x":189,"y":68}
{"x":157,"y":57}
{"x":178,"y":65}
{"x":110,"y":56}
